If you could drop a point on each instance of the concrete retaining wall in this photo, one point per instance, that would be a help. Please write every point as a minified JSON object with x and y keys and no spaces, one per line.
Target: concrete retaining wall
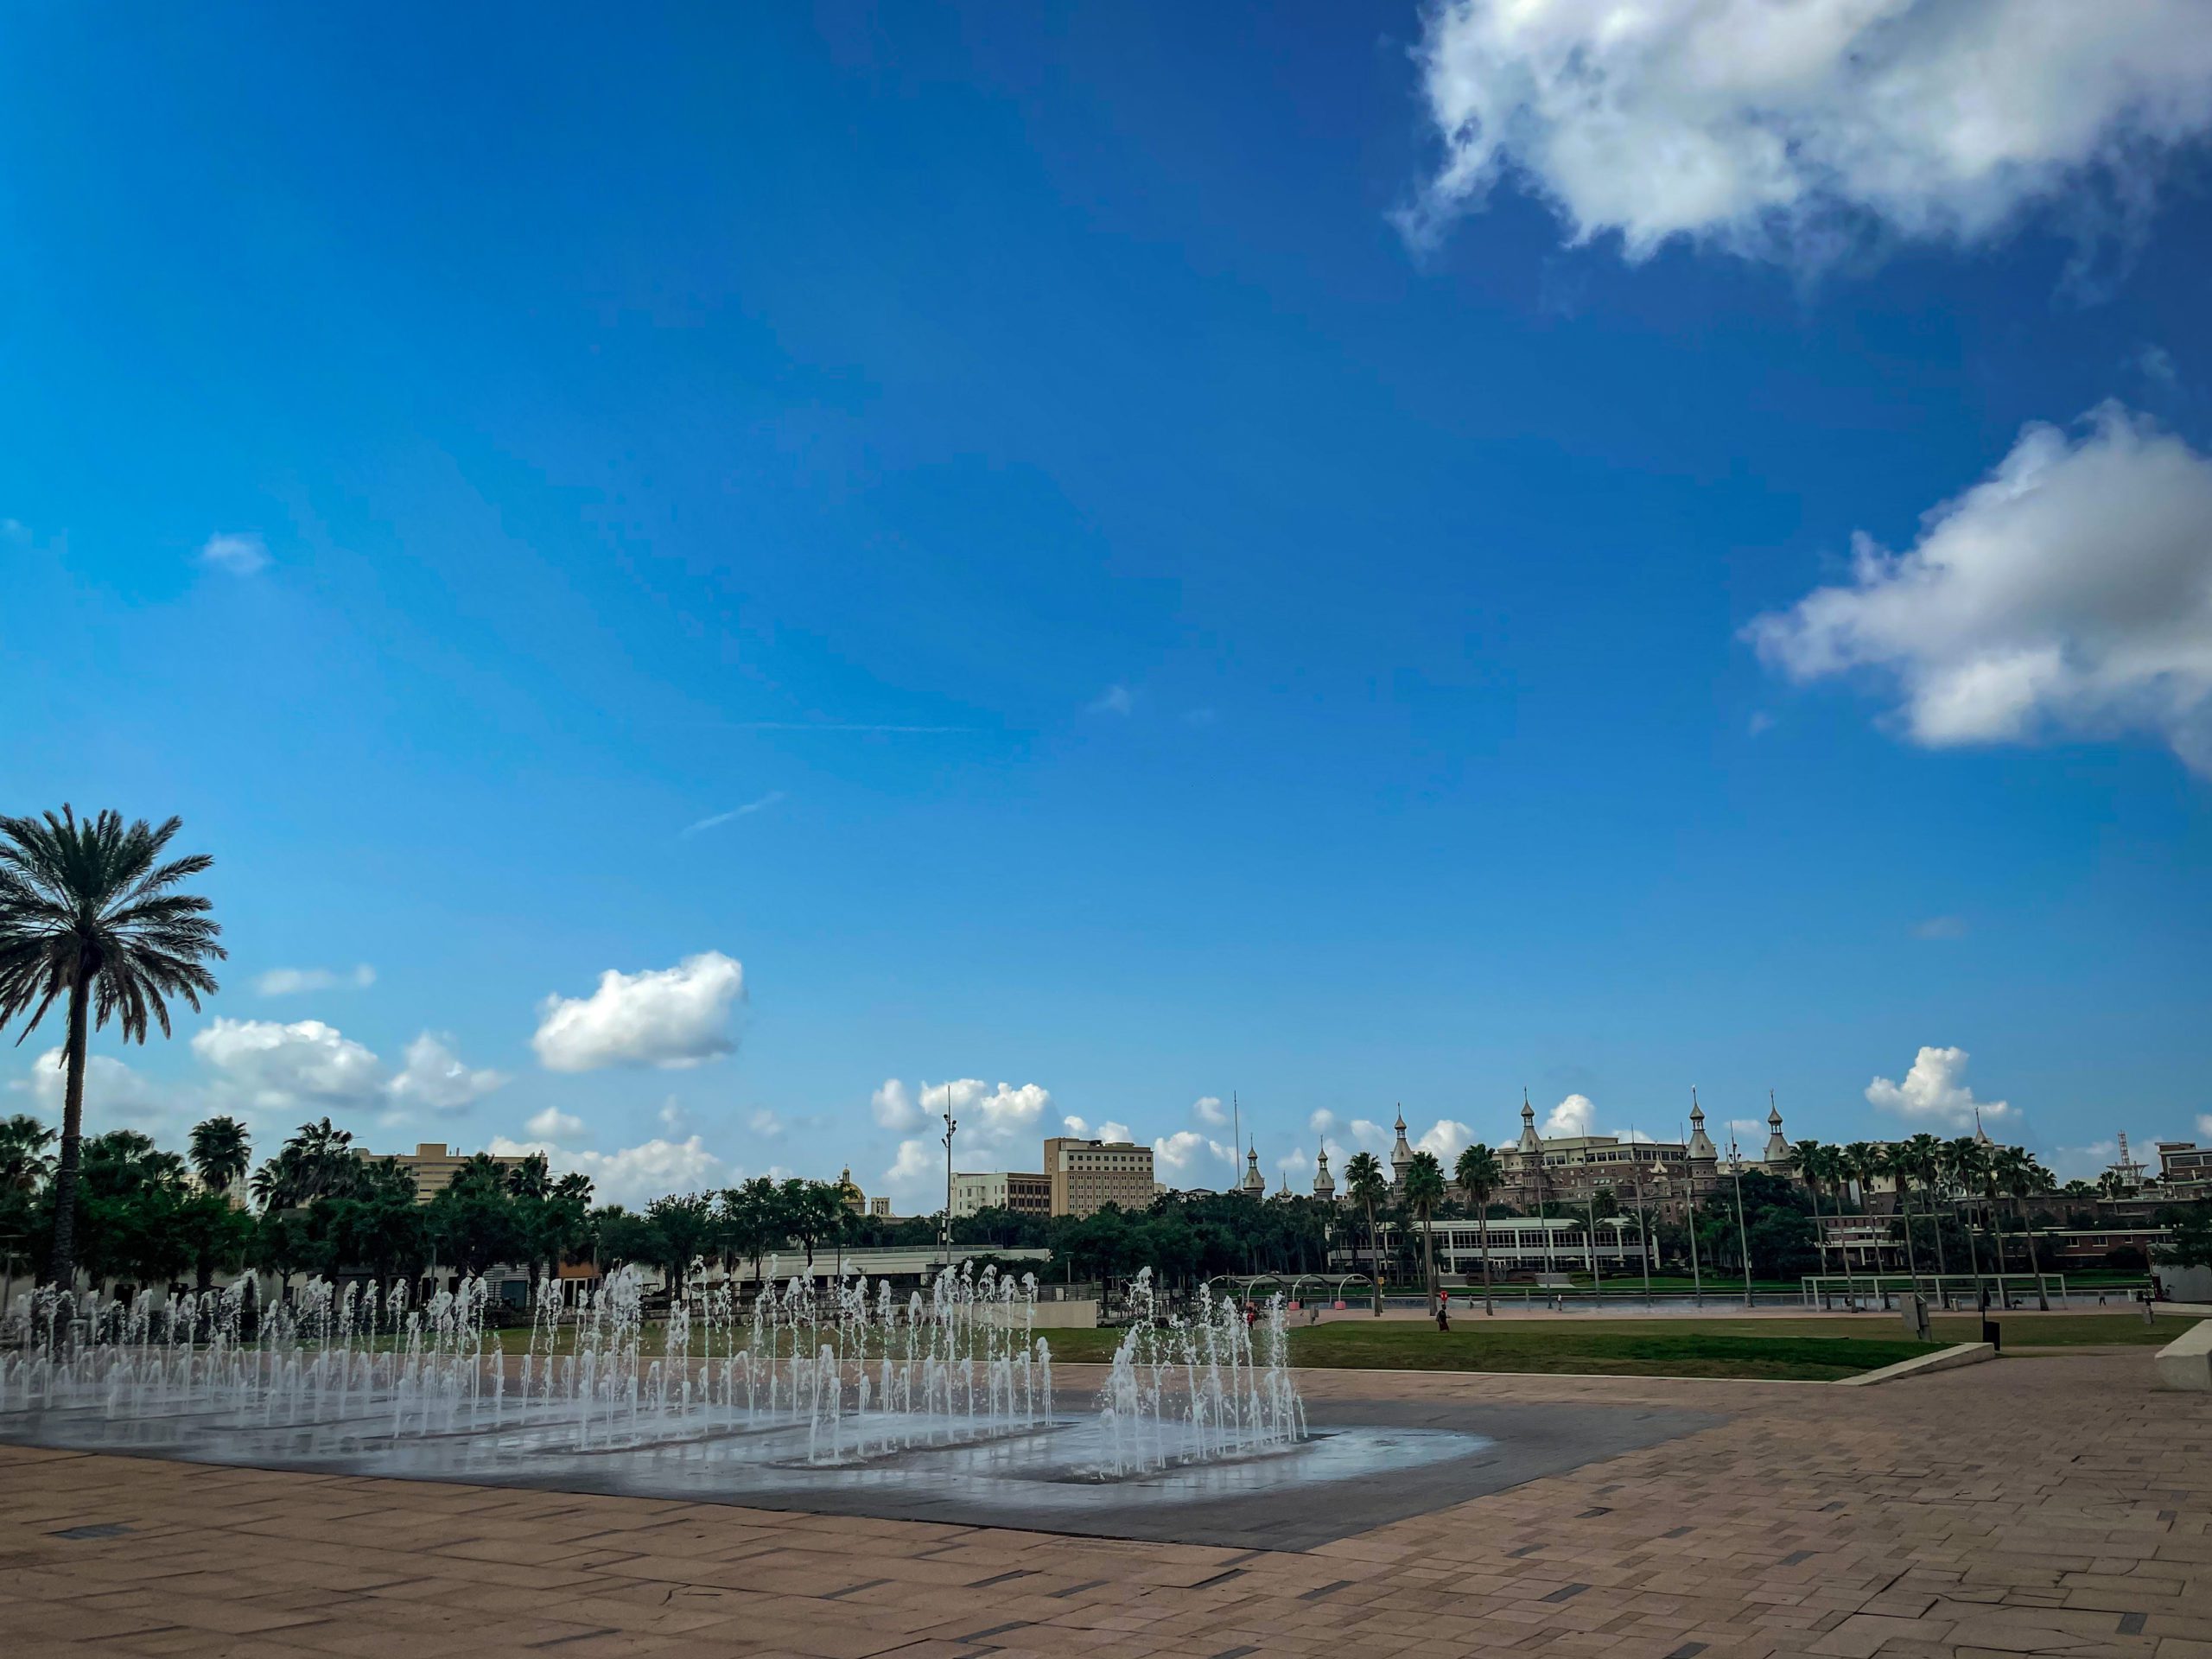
{"x":1943,"y":1359}
{"x":2186,"y":1362}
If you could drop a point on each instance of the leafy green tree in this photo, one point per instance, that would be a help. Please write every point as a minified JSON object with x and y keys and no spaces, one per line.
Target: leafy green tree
{"x":473,"y":1222}
{"x":25,"y":1163}
{"x":1364,"y":1184}
{"x":685,"y":1225}
{"x":624,"y":1237}
{"x":1480,"y":1175}
{"x":90,"y":914}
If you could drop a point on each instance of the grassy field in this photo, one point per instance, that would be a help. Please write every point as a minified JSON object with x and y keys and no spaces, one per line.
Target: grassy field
{"x":1653,"y":1348}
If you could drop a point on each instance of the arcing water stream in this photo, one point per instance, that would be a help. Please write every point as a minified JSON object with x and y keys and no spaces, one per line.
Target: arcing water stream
{"x":826,"y":1377}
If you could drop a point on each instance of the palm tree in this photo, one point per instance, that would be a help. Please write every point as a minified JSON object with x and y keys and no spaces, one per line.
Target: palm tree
{"x":1423,"y":1192}
{"x":1480,"y":1176}
{"x":1898,"y":1163}
{"x":1860,"y":1163}
{"x":2015,"y":1170}
{"x":1365,"y":1185}
{"x":1924,"y":1162}
{"x":25,"y":1163}
{"x":1965,"y":1167}
{"x":1809,"y":1159}
{"x":89,"y":910}
{"x":220,"y":1153}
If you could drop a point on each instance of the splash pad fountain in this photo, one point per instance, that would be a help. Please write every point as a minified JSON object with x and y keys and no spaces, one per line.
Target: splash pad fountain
{"x":836,"y":1398}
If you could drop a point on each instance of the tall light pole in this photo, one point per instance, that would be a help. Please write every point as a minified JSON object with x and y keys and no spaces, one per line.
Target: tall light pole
{"x":1642,"y":1229}
{"x":1697,"y":1273}
{"x":1743,"y":1234}
{"x":944,"y":1232}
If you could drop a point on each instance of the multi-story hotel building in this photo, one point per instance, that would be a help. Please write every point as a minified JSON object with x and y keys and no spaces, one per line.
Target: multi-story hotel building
{"x":1085,"y":1176}
{"x":1024,"y":1193}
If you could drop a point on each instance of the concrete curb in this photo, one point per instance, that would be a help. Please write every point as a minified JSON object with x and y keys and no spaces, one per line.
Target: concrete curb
{"x":1943,"y":1359}
{"x":2186,"y":1362}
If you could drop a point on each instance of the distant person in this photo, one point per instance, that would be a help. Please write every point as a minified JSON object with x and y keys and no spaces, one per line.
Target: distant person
{"x":1444,"y":1312}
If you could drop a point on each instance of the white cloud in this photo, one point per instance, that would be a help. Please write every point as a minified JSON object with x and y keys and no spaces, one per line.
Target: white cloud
{"x":1934,"y":1093}
{"x":735,"y":813}
{"x":666,"y":1017}
{"x":1940,"y":927}
{"x":2204,"y":1127}
{"x":2157,"y":363}
{"x":2070,"y":590}
{"x":1188,"y":1158}
{"x":114,"y":1093}
{"x":273,"y":1067}
{"x":894,"y":1108}
{"x":2081,"y":1163}
{"x":1208,"y":1108}
{"x":918,"y":1166}
{"x":287,"y":982}
{"x":635,"y":1176}
{"x":241,"y":555}
{"x":1574,"y":1116}
{"x":1446,"y":1139}
{"x":1077,"y":1127}
{"x":1114,"y":700}
{"x":1110,"y":1130}
{"x":434,"y":1077}
{"x":555,"y":1125}
{"x":1783,"y":130}
{"x":765,"y":1124}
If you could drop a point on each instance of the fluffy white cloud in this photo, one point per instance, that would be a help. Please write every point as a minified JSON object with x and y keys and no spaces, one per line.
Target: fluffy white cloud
{"x":1782,"y":130}
{"x":289,"y":981}
{"x":1114,"y":700}
{"x":1208,"y":1109}
{"x":1110,"y":1130}
{"x":1187,"y":1157}
{"x":635,"y":1176}
{"x":2204,"y":1127}
{"x":2071,"y":589}
{"x":262,"y":1066}
{"x":240,"y":555}
{"x":1935,"y":1094}
{"x":894,"y":1108}
{"x":1446,"y":1139}
{"x":918,"y":1164}
{"x":434,"y":1077}
{"x":675,"y":1016}
{"x":765,"y":1124}
{"x":554,"y":1124}
{"x":1572,"y":1118}
{"x":273,"y":1067}
{"x":114,"y":1093}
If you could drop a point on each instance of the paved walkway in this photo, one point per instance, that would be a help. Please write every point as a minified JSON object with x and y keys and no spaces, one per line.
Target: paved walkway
{"x":2051,"y":1503}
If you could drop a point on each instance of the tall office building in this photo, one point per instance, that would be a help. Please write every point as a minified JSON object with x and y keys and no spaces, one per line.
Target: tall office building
{"x":1088,"y":1175}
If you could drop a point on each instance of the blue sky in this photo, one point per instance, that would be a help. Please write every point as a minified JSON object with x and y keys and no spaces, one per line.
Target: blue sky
{"x":1224,"y":549}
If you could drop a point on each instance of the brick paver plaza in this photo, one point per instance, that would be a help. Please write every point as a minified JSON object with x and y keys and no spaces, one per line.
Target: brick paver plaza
{"x":2043,"y":1505}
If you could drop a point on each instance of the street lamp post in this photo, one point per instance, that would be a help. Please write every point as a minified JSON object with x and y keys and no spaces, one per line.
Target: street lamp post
{"x":944,"y":1232}
{"x":1743,"y":1234}
{"x":1697,"y":1272}
{"x":1643,"y":1232}
{"x":1597,"y":1278}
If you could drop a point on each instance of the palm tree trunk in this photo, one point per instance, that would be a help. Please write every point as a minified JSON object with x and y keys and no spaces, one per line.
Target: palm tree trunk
{"x":1429,"y":1257}
{"x":1375,"y":1260}
{"x":1973,"y":1261}
{"x":63,"y":1267}
{"x":1942,"y":1261}
{"x":1482,"y":1236}
{"x":1997,"y":1233}
{"x":1911,"y":1253}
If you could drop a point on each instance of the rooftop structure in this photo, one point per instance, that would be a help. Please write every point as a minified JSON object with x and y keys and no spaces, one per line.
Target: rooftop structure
{"x":433,"y":1164}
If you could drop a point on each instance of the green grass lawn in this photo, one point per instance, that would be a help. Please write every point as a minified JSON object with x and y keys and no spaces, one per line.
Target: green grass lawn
{"x":1653,"y":1348}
